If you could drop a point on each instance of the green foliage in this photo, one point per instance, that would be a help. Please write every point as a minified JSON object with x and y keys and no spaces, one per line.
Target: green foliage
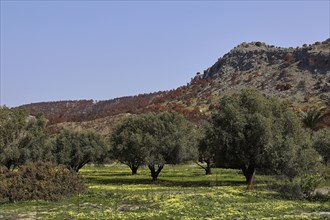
{"x":301,"y":85}
{"x":154,"y":139}
{"x":252,"y":131}
{"x":38,"y":181}
{"x":309,"y":182}
{"x":206,"y":153}
{"x":313,"y":117}
{"x":299,"y":188}
{"x":322,"y":144}
{"x":326,"y":100}
{"x":289,"y":190}
{"x":76,"y":149}
{"x":258,"y":43}
{"x":127,"y":143}
{"x":23,"y":138}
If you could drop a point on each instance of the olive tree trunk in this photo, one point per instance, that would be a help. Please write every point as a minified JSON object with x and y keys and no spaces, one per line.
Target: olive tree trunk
{"x":249,"y":172}
{"x":134,"y":168}
{"x":207,"y":168}
{"x":154,"y":172}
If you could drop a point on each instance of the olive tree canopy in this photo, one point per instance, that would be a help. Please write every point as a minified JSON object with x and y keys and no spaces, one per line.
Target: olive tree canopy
{"x":75,"y":149}
{"x":23,"y":137}
{"x":251,"y":131}
{"x":154,"y":140}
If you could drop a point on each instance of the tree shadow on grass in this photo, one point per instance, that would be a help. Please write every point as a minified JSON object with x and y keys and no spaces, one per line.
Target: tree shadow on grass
{"x":164,"y":182}
{"x":105,"y":174}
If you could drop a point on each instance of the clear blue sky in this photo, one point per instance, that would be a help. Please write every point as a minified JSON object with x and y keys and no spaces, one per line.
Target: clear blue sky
{"x":70,"y":50}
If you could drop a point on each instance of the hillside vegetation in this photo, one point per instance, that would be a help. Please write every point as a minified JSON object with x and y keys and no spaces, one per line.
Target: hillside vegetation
{"x":300,"y":75}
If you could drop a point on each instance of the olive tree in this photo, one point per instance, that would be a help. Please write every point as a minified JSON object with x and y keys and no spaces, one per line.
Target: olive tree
{"x":251,"y":132}
{"x":127,"y":142}
{"x":23,"y":137}
{"x":154,"y":140}
{"x":75,"y":149}
{"x":206,"y":152}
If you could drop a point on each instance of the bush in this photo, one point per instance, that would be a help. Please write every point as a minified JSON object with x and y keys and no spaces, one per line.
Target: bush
{"x":309,"y":182}
{"x":322,"y":144}
{"x":300,"y":188}
{"x":302,"y":85}
{"x":38,"y":181}
{"x":284,"y":75}
{"x":290,"y":190}
{"x":283,"y":86}
{"x":289,"y":59}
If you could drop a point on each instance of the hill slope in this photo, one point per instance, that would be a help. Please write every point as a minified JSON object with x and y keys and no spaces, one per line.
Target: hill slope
{"x":301,"y":75}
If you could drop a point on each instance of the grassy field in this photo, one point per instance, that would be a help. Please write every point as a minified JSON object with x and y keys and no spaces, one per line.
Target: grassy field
{"x":182,"y":192}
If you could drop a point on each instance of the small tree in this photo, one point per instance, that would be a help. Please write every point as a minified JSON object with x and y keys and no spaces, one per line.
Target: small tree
{"x":127,"y":143}
{"x":154,"y":140}
{"x":23,"y":138}
{"x":206,"y":152}
{"x":172,"y":140}
{"x":253,"y":132}
{"x":76,"y":149}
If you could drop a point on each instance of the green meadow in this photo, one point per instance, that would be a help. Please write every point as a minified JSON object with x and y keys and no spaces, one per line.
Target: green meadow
{"x":182,"y":192}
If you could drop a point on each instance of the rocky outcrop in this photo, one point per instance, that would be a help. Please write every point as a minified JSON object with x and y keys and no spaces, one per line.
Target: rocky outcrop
{"x":287,"y":72}
{"x":251,"y":56}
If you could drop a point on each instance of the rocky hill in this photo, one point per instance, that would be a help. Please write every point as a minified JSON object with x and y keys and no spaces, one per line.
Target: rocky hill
{"x":300,"y":75}
{"x":273,"y":69}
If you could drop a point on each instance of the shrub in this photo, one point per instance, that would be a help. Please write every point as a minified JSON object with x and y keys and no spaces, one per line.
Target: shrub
{"x":38,"y":181}
{"x":322,"y":144}
{"x":283,"y":75}
{"x":289,"y":59}
{"x":290,"y":190}
{"x":301,"y":85}
{"x":300,"y":188}
{"x":307,"y":98}
{"x":309,"y":182}
{"x":283,"y":86}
